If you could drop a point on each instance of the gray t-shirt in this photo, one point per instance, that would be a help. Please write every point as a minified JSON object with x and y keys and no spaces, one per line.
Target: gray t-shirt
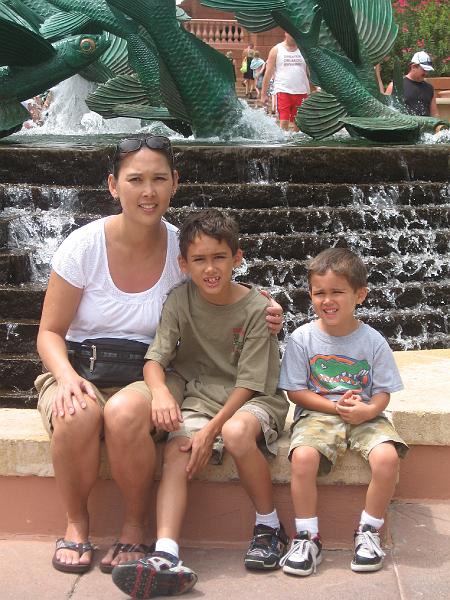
{"x":330,"y":366}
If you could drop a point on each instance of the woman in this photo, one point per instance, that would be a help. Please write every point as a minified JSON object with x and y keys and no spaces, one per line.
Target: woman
{"x":109,"y":279}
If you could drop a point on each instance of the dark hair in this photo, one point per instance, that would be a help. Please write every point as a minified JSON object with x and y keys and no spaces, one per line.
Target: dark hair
{"x":341,"y":261}
{"x":215,"y":224}
{"x":157,"y":143}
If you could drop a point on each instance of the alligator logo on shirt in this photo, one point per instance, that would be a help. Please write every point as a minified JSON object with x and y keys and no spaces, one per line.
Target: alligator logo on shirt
{"x":335,"y":373}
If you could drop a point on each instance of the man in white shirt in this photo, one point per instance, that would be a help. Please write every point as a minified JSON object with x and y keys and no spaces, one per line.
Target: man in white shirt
{"x":287,"y":67}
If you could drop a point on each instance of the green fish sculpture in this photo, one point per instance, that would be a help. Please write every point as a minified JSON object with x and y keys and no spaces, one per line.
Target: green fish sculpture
{"x":197,"y":82}
{"x":51,"y":64}
{"x":341,"y":41}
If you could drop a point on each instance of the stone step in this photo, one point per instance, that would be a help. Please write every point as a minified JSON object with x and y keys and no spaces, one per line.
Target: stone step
{"x":19,"y":371}
{"x":18,"y":399}
{"x":234,"y":164}
{"x":18,"y":337}
{"x":25,"y":467}
{"x":320,"y":220}
{"x":392,"y":269}
{"x":15,"y":266}
{"x":366,"y":244}
{"x":17,"y":302}
{"x":260,"y":195}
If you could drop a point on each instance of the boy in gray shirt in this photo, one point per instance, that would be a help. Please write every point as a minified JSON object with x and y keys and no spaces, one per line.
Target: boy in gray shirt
{"x":340,"y":374}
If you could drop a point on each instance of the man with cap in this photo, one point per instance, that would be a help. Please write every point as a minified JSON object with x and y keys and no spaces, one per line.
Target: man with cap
{"x":418,"y":94}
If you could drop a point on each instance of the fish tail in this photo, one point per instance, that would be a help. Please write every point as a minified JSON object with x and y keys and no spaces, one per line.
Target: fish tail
{"x":307,"y":39}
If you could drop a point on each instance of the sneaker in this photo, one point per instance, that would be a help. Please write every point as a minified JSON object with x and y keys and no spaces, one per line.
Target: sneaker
{"x":368,"y":553}
{"x":157,"y":574}
{"x":303,"y":556}
{"x":266,"y":548}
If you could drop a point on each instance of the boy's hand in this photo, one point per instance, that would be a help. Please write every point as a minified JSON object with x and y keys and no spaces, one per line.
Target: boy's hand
{"x":201,"y":447}
{"x":353,"y":410}
{"x":166,"y":414}
{"x":274,"y":314}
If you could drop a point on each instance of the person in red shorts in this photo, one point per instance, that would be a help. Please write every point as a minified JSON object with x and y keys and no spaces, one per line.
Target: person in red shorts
{"x":289,"y":71}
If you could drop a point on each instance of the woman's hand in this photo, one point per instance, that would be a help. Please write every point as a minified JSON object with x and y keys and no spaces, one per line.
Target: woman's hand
{"x":274,"y":314}
{"x":70,"y":395}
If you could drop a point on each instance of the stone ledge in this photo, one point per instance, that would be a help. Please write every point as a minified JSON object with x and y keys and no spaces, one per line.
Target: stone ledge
{"x":419,"y":412}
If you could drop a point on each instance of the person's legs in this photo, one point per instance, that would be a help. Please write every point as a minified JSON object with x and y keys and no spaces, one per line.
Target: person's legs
{"x":283,"y":108}
{"x":75,"y":449}
{"x":304,"y":468}
{"x":240,"y":436}
{"x":131,"y":454}
{"x":384,"y":462}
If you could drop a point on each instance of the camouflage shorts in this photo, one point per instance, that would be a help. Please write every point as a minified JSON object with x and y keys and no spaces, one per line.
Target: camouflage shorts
{"x":331,"y":436}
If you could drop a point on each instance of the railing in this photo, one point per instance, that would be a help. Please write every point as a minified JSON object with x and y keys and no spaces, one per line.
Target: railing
{"x":218,"y":32}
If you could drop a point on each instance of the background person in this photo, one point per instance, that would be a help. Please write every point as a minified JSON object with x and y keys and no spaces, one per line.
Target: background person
{"x":419,"y":95}
{"x":258,"y":66}
{"x":286,"y":65}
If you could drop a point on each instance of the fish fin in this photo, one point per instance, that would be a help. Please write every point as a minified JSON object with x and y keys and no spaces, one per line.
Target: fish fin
{"x":97,"y":72}
{"x":387,"y":129}
{"x":12,"y":114}
{"x":121,"y":90}
{"x":20,"y":46}
{"x":171,"y":95}
{"x":31,"y":18}
{"x":245,"y":5}
{"x":309,"y":38}
{"x":115,"y":58}
{"x":338,"y":16}
{"x":376,"y":27}
{"x":256,"y":22}
{"x":63,"y":24}
{"x":320,"y":115}
{"x":153,"y":113}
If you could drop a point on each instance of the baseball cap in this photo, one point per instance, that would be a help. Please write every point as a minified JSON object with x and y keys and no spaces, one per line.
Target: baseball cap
{"x":423,"y":59}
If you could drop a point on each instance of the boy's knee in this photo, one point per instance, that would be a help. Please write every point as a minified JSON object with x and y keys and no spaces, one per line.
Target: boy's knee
{"x":173,"y":455}
{"x":305,"y":461}
{"x":384,"y":458}
{"x":238,"y":437}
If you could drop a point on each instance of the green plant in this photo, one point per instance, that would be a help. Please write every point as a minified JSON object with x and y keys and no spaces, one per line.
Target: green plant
{"x":423,"y":25}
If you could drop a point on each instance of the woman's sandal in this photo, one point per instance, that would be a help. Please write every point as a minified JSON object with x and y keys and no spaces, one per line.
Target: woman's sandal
{"x":118,"y":548}
{"x":81,"y":548}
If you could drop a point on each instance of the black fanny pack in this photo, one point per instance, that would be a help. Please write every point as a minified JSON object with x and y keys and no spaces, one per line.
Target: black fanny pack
{"x":108,"y":362}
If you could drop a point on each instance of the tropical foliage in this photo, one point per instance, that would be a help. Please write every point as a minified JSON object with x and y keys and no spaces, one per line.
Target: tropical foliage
{"x":423,"y":25}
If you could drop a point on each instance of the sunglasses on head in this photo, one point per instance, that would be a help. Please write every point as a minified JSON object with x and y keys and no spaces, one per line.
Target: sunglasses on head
{"x":154,"y":142}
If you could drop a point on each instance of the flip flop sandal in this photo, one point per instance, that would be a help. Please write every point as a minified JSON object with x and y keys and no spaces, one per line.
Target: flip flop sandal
{"x":118,"y":548}
{"x":81,"y":548}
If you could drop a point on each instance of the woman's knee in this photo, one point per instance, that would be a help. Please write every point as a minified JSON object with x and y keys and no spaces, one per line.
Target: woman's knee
{"x":127,"y":413}
{"x":82,"y":424}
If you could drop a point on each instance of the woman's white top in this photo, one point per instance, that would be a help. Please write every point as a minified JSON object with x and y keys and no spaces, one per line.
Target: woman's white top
{"x":104,"y":310}
{"x":290,"y":72}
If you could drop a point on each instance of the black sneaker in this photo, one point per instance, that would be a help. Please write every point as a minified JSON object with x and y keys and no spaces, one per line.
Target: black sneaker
{"x":157,"y":574}
{"x":266,"y":548}
{"x":368,"y":553}
{"x":303,"y":556}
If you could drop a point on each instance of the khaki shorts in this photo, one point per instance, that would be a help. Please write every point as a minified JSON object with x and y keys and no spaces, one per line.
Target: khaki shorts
{"x":46,"y":385}
{"x":331,"y":436}
{"x":194,"y":421}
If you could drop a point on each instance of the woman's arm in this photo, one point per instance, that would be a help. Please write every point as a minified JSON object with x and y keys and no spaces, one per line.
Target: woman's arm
{"x":60,"y":305}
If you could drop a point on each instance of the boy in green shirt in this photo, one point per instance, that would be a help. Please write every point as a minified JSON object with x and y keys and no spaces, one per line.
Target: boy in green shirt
{"x":214,"y":337}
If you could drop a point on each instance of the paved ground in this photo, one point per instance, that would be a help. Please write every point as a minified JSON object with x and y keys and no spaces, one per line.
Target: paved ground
{"x":417,"y":567}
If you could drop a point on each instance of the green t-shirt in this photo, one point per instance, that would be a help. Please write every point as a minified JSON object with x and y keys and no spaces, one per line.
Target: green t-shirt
{"x":217,"y":348}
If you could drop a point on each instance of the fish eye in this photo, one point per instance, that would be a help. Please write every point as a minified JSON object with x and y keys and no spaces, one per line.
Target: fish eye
{"x":87,"y":45}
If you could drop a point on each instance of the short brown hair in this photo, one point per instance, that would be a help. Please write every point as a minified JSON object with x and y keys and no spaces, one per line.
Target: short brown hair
{"x":341,"y":261}
{"x":211,"y":222}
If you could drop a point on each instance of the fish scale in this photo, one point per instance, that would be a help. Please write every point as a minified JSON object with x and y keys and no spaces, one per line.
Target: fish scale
{"x":206,"y":88}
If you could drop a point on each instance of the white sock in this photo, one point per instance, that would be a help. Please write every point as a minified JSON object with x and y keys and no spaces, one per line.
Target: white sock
{"x":167,"y":545}
{"x":367,"y":519}
{"x":271,"y":520}
{"x":311,"y":525}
